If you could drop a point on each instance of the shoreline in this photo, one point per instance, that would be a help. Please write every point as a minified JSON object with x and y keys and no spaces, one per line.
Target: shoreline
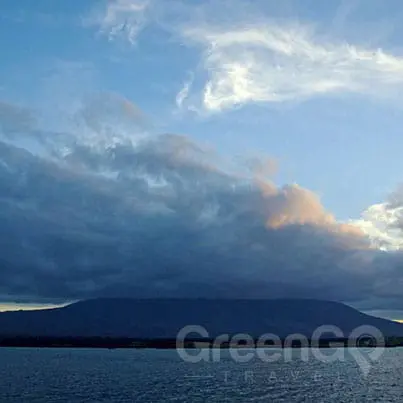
{"x":170,"y":343}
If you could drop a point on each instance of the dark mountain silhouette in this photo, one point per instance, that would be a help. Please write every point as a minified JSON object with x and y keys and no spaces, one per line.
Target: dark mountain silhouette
{"x":154,"y":318}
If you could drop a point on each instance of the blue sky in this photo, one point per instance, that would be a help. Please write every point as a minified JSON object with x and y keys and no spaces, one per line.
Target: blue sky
{"x":343,"y":145}
{"x":315,"y":86}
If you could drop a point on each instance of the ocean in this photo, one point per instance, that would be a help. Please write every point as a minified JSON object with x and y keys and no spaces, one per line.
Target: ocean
{"x":98,"y":375}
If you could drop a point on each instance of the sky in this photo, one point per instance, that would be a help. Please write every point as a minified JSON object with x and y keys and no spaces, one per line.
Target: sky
{"x":201,"y":148}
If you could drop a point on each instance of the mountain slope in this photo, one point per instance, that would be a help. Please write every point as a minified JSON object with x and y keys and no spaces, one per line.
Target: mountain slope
{"x":165,"y":317}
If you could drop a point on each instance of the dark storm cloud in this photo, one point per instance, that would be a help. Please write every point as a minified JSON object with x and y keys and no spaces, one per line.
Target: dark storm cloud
{"x":162,"y":216}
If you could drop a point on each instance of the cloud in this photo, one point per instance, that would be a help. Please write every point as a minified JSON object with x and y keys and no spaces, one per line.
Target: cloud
{"x":161,"y":215}
{"x":383,"y":223}
{"x":247,"y":56}
{"x":184,"y":92}
{"x":269,"y":62}
{"x":122,"y":19}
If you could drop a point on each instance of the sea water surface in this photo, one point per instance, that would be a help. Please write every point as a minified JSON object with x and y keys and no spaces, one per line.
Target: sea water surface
{"x":97,"y":375}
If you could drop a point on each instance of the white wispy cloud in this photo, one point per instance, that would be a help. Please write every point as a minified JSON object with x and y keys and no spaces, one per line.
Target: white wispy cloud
{"x":247,"y":57}
{"x":272,"y":63}
{"x":121,"y":19}
{"x":184,"y":92}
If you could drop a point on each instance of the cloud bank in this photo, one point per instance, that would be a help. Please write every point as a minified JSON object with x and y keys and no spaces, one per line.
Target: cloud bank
{"x":160,"y":215}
